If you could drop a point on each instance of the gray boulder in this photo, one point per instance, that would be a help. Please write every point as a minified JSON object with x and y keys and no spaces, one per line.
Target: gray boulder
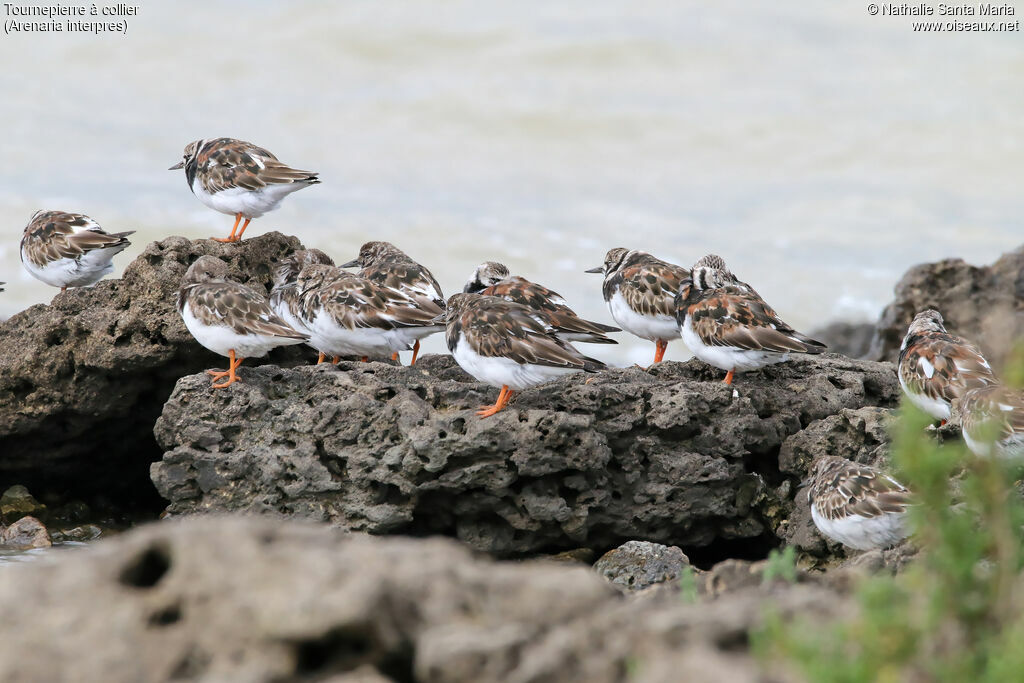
{"x":83,"y":378}
{"x":261,"y":600}
{"x":638,"y":564}
{"x":667,"y":455}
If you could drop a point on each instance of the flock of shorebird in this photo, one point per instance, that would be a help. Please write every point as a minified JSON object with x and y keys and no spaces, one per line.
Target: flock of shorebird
{"x":512,"y":333}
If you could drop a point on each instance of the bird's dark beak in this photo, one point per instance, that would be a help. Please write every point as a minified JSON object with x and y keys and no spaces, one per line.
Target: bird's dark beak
{"x":350,"y":264}
{"x":180,"y":164}
{"x":599,"y":269}
{"x":438,"y":320}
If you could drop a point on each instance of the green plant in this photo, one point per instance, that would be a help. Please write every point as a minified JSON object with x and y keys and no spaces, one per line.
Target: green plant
{"x":781,"y":564}
{"x":688,"y":585}
{"x":956,"y":613}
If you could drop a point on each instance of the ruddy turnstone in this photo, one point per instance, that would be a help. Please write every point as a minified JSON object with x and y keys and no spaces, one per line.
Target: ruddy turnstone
{"x":857,"y":505}
{"x":349,"y":315}
{"x":503,"y":344}
{"x":68,"y":249}
{"x":387,"y":265}
{"x":228,"y":318}
{"x":284,"y":296}
{"x":493,"y":279}
{"x":238,"y":178}
{"x":936,"y":367}
{"x":728,"y":325}
{"x":992,"y":421}
{"x":640,"y":291}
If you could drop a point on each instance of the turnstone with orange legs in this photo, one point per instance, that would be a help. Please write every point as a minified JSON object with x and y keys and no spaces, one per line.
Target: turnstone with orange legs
{"x":992,"y":421}
{"x":936,"y":367}
{"x":389,"y":266}
{"x":493,"y":279}
{"x":228,"y":318}
{"x":284,"y":296}
{"x":856,"y":505}
{"x":504,"y":344}
{"x":640,"y":291}
{"x":349,"y":315}
{"x":240,"y":179}
{"x":69,"y":249}
{"x":728,"y":325}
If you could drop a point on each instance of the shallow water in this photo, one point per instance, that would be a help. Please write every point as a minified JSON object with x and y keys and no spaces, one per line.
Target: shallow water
{"x":36,"y":555}
{"x":820,"y":150}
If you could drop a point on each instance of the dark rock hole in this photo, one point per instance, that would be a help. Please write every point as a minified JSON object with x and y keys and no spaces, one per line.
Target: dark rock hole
{"x":146,"y":570}
{"x":347,"y":648}
{"x":166,"y":616}
{"x":752,"y":549}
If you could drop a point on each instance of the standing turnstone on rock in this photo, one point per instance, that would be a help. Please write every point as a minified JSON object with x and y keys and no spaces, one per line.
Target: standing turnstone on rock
{"x":349,"y":315}
{"x":857,"y":505}
{"x":728,"y":325}
{"x":389,"y":266}
{"x":493,"y":279}
{"x":68,"y":249}
{"x":228,"y":318}
{"x":992,"y":421}
{"x":936,"y":367}
{"x":640,"y":291}
{"x":238,"y":178}
{"x":504,"y":344}
{"x":284,"y":296}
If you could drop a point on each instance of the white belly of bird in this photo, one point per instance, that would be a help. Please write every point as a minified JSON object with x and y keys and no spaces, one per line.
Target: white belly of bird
{"x":221,"y":339}
{"x":863,"y":533}
{"x":328,"y":337}
{"x":498,"y":371}
{"x":935,"y":407}
{"x":651,"y":327}
{"x":249,"y":203}
{"x":408,"y":336}
{"x":69,"y":272}
{"x":1012,"y":447}
{"x":727,"y":357}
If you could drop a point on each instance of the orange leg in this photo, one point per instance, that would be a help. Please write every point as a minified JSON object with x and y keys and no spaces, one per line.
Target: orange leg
{"x":394,"y":356}
{"x":336,"y":360}
{"x":63,"y":289}
{"x":943,"y":423}
{"x":660,"y":353}
{"x":415,"y":352}
{"x":231,"y":237}
{"x":320,"y":358}
{"x":728,"y":378}
{"x":366,"y":359}
{"x":503,"y":399}
{"x":244,"y":226}
{"x":229,"y":373}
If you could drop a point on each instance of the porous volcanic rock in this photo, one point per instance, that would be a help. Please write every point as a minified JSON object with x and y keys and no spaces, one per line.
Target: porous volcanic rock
{"x":264,"y":600}
{"x":639,"y":564}
{"x":982,"y":303}
{"x":668,"y":455}
{"x":83,"y":378}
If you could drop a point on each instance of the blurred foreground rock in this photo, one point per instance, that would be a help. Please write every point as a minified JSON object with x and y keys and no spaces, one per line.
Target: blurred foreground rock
{"x":220,"y":599}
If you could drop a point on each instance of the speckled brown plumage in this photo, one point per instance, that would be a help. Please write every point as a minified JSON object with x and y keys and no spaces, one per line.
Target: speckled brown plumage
{"x":647,"y":283}
{"x":53,"y":235}
{"x":225,"y":163}
{"x":840,"y":488}
{"x":387,"y":265}
{"x":993,"y":414}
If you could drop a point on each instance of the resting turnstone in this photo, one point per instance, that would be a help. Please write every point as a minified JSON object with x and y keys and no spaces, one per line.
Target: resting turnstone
{"x":238,"y":178}
{"x":68,"y":249}
{"x":389,"y":266}
{"x":857,"y":505}
{"x":728,"y":325}
{"x":228,"y":318}
{"x":992,"y":420}
{"x":284,"y":296}
{"x":493,"y":279}
{"x":349,"y":315}
{"x":640,"y":291}
{"x":935,"y":367}
{"x":503,"y":344}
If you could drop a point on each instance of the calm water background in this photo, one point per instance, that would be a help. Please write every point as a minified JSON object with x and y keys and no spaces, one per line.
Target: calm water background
{"x":820,"y":150}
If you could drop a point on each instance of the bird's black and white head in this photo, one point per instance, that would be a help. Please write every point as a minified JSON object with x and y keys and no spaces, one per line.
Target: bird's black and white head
{"x":189,"y":161}
{"x":287,"y":269}
{"x":929,"y":320}
{"x":376,"y":253}
{"x":487,"y":274}
{"x":613,"y":261}
{"x":206,"y":269}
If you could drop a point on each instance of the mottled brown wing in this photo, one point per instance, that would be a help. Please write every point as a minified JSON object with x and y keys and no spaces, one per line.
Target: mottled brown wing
{"x":555,"y":310}
{"x":238,"y":307}
{"x":411,"y":279}
{"x":225,"y":164}
{"x":498,"y":328}
{"x":357,"y":302}
{"x":734,"y":316}
{"x":871,"y":494}
{"x":649,"y":286}
{"x":943,"y":367}
{"x":53,"y":235}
